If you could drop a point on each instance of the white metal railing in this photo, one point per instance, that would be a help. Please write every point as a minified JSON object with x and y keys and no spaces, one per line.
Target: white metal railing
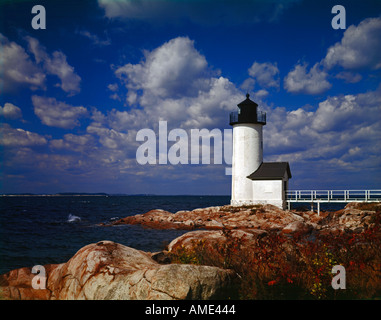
{"x":333,"y":195}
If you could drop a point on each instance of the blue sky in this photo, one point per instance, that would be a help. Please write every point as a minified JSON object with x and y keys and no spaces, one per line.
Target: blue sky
{"x":74,"y":96}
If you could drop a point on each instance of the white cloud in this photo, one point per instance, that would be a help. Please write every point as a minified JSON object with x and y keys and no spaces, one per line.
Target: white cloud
{"x":113,"y":87}
{"x":265,"y":74}
{"x":10,"y":111}
{"x":349,"y":77}
{"x":94,"y":38}
{"x":18,"y":68}
{"x":341,"y":135}
{"x":57,"y":114}
{"x":56,"y":64}
{"x":360,"y":47}
{"x":175,"y":69}
{"x":312,"y":82}
{"x":72,"y":142}
{"x":174,"y":83}
{"x":11,"y":137}
{"x":336,"y":113}
{"x":111,"y":138}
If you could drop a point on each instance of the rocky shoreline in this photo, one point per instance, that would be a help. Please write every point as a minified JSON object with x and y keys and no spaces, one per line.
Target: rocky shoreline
{"x":353,"y":218}
{"x":108,"y":270}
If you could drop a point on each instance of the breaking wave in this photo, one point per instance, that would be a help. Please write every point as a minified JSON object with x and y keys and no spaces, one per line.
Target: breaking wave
{"x":73,"y":218}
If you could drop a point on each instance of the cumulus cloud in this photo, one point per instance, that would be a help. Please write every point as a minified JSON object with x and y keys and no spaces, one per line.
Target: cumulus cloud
{"x":11,"y":137}
{"x":76,"y":143}
{"x":172,"y":83}
{"x":174,"y":69}
{"x":175,"y":83}
{"x":299,"y":80}
{"x":342,"y":134}
{"x":110,"y":138}
{"x":56,"y":64}
{"x":57,"y":114}
{"x":10,"y":111}
{"x":265,"y":74}
{"x":359,"y":48}
{"x":18,"y":68}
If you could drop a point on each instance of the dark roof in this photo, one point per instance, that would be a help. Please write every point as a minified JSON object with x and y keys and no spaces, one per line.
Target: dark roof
{"x":271,"y":171}
{"x":247,"y":102}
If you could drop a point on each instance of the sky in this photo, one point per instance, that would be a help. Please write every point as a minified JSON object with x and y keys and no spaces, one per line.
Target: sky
{"x":75,"y":95}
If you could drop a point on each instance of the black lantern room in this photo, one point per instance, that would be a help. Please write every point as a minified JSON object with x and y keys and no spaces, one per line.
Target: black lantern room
{"x":247,"y":113}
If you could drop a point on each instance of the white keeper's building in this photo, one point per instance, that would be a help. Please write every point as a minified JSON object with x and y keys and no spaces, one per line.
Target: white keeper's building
{"x":254,"y":181}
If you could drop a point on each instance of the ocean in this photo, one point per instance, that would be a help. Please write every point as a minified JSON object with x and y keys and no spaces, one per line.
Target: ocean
{"x":38,"y":230}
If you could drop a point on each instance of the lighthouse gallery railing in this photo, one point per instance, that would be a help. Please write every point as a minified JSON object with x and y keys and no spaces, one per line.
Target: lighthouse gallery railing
{"x":236,"y":117}
{"x":333,"y":195}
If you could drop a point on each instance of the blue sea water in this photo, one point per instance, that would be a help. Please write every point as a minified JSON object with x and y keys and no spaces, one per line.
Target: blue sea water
{"x":38,"y":230}
{"x":51,"y":229}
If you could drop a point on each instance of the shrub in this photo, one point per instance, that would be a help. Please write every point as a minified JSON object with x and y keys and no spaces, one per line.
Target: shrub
{"x":279,"y":266}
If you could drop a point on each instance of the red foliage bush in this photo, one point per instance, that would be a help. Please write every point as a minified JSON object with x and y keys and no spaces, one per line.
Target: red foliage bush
{"x":279,"y":266}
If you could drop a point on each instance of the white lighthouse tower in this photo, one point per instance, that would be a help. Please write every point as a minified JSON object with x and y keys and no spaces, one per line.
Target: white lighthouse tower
{"x":254,"y":181}
{"x":247,"y":149}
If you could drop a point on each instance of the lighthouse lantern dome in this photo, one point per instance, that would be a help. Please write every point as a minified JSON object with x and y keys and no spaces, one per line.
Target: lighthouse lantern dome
{"x":247,"y":113}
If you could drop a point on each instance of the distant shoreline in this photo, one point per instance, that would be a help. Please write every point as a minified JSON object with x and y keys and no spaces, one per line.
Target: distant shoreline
{"x":58,"y":195}
{"x":106,"y":195}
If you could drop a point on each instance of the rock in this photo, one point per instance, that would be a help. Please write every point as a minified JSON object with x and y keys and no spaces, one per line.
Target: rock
{"x":161,"y":257}
{"x":214,"y":237}
{"x":108,"y":270}
{"x":265,"y":217}
{"x":297,"y":226}
{"x":213,"y":224}
{"x":182,"y":281}
{"x":16,"y":284}
{"x":355,"y":217}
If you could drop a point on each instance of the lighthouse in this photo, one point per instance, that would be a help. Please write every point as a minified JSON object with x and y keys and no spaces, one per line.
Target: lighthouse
{"x":254,"y":181}
{"x":247,"y":125}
